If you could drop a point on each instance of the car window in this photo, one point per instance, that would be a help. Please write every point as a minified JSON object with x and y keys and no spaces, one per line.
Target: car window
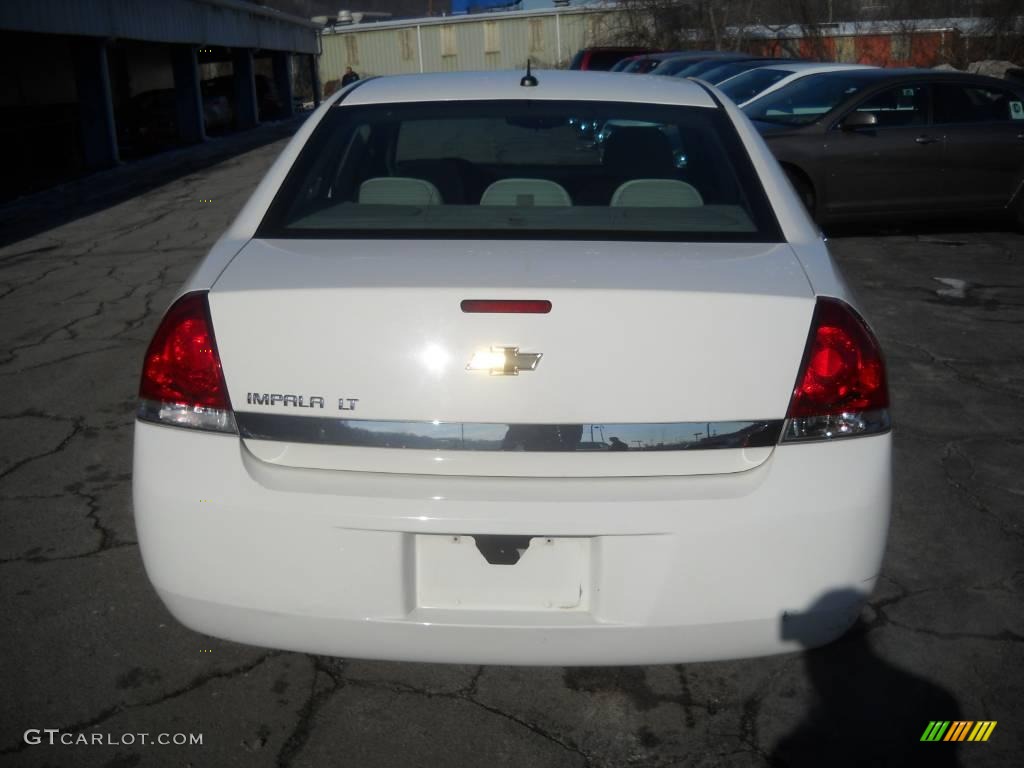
{"x":745,"y":86}
{"x":672,"y":66}
{"x":954,"y":103}
{"x":806,"y":100}
{"x":689,"y":70}
{"x":725,"y":71}
{"x":604,"y":59}
{"x":492,"y":140}
{"x":900,"y":106}
{"x":585,"y":170}
{"x":700,"y":67}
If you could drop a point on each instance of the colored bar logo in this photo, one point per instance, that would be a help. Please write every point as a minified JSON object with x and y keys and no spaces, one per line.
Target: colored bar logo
{"x":958,"y":730}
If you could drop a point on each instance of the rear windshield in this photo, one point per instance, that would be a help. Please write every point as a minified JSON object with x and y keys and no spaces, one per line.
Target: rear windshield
{"x":579,"y":170}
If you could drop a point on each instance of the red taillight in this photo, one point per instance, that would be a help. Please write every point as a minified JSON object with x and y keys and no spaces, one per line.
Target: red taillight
{"x":841,"y":388}
{"x":182,"y":382}
{"x":508,"y":306}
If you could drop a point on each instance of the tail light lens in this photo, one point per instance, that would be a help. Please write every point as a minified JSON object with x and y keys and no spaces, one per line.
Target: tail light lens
{"x":182,"y":381}
{"x":841,"y":390}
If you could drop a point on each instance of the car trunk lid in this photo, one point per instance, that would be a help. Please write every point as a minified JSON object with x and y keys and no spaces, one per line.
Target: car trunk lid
{"x":353,"y":355}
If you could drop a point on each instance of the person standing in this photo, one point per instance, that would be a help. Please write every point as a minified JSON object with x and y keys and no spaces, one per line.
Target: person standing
{"x":349,"y":77}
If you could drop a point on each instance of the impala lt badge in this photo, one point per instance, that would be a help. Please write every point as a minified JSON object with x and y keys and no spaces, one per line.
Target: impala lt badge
{"x":298,"y":401}
{"x":503,"y":361}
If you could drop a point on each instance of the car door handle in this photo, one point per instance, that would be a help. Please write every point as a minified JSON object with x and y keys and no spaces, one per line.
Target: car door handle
{"x":925,"y":140}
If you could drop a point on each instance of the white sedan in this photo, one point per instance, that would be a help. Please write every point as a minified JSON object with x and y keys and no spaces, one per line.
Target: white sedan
{"x":754,"y":83}
{"x":460,"y":384}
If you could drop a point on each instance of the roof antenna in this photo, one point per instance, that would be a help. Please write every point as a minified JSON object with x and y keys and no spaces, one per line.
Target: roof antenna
{"x":528,"y":81}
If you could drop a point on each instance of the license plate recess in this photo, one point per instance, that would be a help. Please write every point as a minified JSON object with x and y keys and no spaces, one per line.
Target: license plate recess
{"x":552,"y":574}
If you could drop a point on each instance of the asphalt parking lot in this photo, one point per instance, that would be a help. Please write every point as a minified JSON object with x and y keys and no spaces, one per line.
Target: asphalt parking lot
{"x":87,"y":648}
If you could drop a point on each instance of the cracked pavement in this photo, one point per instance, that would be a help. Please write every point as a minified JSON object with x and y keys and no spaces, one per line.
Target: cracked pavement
{"x":88,"y":648}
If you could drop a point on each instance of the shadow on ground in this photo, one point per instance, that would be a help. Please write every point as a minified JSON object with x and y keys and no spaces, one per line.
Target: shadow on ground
{"x":866,"y":711}
{"x":50,"y":208}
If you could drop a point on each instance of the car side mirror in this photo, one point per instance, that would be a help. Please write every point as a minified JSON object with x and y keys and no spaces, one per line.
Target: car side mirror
{"x":859,"y":120}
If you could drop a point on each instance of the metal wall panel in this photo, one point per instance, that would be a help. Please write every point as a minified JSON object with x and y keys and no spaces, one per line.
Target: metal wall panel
{"x":477,"y":42}
{"x":517,"y":45}
{"x":470,"y":38}
{"x":431,"y":37}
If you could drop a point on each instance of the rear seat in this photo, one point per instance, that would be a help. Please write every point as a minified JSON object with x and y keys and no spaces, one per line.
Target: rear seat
{"x":657,"y":193}
{"x":447,"y":174}
{"x":398,"y":190}
{"x":526,"y":192}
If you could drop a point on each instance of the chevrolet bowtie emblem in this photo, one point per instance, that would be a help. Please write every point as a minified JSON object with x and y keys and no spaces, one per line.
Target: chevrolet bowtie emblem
{"x":503,"y":361}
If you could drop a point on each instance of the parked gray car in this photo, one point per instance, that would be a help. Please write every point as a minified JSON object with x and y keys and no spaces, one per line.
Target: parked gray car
{"x":883,"y":143}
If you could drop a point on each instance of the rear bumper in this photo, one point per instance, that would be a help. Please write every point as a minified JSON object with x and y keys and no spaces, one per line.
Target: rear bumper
{"x":669,"y":569}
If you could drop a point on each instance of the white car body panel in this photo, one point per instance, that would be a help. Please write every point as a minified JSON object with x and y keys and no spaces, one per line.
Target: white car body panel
{"x":693,"y":568}
{"x":244,"y":226}
{"x":412,"y":367}
{"x":797,"y":225}
{"x":758,"y":294}
{"x":507,"y":463}
{"x":646,"y":557}
{"x":556,"y":85}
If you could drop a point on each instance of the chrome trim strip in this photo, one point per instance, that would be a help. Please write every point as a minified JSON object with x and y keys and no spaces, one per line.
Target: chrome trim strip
{"x":472,"y":436}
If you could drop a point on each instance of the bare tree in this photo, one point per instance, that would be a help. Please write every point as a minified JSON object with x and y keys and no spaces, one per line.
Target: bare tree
{"x":978,"y":29}
{"x":661,"y":24}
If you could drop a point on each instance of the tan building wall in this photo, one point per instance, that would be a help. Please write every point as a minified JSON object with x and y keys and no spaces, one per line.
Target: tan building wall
{"x":463,"y":43}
